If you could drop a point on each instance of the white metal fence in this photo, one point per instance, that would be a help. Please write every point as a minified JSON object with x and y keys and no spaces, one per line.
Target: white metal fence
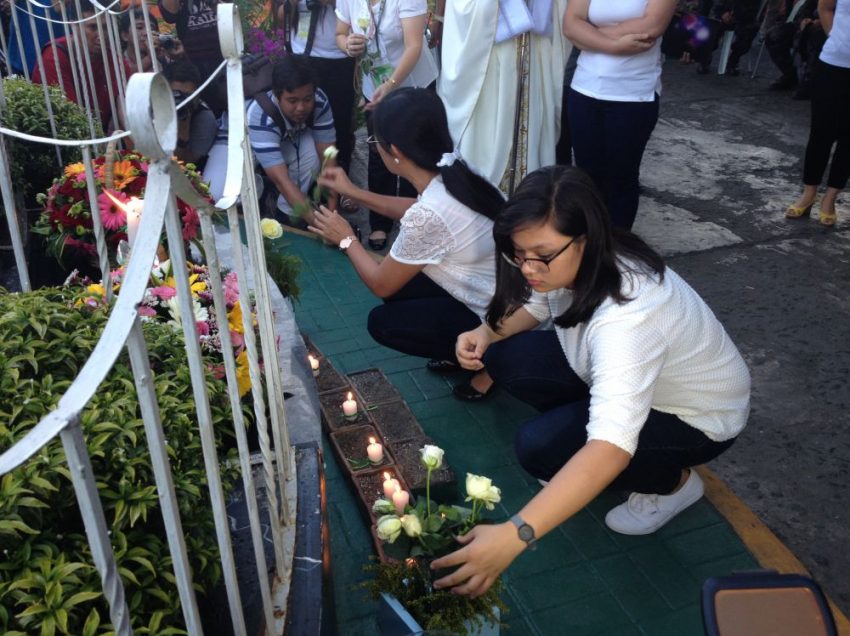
{"x":152,"y":123}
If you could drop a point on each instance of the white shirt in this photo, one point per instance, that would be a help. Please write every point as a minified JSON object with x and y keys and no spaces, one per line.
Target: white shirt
{"x":324,"y":40}
{"x":618,"y":78}
{"x":454,"y":243}
{"x":836,"y":50}
{"x":390,"y":42}
{"x":663,"y":350}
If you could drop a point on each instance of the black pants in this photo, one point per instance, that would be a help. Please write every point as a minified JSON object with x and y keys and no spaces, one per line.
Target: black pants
{"x":421,"y":319}
{"x":745,"y":29}
{"x":382,"y":181}
{"x":830,"y":126}
{"x":533,"y":368}
{"x":779,"y":42}
{"x":336,"y":79}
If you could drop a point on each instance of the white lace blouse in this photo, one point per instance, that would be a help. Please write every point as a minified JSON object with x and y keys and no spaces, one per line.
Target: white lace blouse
{"x":454,"y":243}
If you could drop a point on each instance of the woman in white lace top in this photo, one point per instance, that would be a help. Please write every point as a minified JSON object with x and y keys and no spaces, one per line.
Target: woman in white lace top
{"x":440,"y":273}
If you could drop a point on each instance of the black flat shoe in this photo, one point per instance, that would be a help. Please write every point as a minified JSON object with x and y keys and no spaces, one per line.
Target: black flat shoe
{"x":469,"y":393}
{"x":377,"y":244}
{"x":441,"y":366}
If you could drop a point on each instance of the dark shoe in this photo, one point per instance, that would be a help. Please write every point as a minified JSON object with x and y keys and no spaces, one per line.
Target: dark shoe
{"x":377,"y":244}
{"x":469,"y":393}
{"x":442,"y":366}
{"x":784,"y":83}
{"x":703,"y":69}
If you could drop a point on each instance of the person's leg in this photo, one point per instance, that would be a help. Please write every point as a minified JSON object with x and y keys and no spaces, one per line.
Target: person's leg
{"x":336,"y":79}
{"x":839,"y":171}
{"x":586,"y":127}
{"x":532,"y":367}
{"x":544,"y":444}
{"x":381,"y":181}
{"x":564,"y":148}
{"x":628,"y":126}
{"x":779,"y":42}
{"x":746,"y":29}
{"x":425,"y":326}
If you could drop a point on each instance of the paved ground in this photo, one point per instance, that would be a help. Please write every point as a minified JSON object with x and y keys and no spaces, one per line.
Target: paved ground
{"x":723,"y":164}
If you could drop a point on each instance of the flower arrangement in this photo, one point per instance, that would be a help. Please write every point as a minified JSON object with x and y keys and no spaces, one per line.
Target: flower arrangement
{"x":283,"y":268}
{"x":66,"y":220}
{"x":422,"y":532}
{"x":268,"y":41}
{"x":160,"y":304}
{"x":318,"y":193}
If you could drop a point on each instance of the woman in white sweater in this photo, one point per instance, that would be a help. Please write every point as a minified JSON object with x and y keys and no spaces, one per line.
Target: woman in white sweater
{"x":638,"y":382}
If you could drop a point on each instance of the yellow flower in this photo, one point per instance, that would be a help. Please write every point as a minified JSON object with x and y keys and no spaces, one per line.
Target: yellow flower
{"x":123,"y":174}
{"x":271,"y":228}
{"x":243,"y":375}
{"x":194,"y":284}
{"x":234,"y":318}
{"x":74,"y":169}
{"x":96,"y":288}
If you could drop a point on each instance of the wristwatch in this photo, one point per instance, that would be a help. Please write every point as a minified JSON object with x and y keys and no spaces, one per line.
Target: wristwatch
{"x":525,"y":532}
{"x":345,"y":243}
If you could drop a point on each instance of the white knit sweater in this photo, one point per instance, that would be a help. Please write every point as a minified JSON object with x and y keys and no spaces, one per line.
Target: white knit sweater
{"x":663,"y":350}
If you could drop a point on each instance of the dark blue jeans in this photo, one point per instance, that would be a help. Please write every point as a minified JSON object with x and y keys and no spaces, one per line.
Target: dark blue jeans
{"x":421,"y":319}
{"x":533,"y":368}
{"x":608,"y":143}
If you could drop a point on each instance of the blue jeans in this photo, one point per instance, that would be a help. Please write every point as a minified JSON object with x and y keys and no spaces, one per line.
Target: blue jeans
{"x":421,"y":319}
{"x":532,"y":367}
{"x":608,"y":143}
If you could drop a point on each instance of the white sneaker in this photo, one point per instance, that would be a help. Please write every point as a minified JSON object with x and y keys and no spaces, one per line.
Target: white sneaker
{"x":644,"y":514}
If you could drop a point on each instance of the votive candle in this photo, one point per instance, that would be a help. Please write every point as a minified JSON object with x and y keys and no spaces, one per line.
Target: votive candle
{"x":375,"y":451}
{"x":349,"y":407}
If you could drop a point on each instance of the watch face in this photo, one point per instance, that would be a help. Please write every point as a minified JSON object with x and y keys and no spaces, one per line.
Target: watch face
{"x":526,"y":533}
{"x":345,"y":243}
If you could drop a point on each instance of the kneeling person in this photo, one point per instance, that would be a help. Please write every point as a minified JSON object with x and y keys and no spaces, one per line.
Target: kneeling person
{"x":290,"y":127}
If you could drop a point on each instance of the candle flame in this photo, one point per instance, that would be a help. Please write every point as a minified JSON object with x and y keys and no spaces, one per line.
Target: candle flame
{"x":134,"y":204}
{"x":372,"y":440}
{"x":311,"y":359}
{"x":386,"y":476}
{"x":350,"y":396}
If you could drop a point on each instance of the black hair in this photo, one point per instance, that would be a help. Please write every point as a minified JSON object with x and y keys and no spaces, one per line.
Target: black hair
{"x":292,"y":72}
{"x":124,"y":24}
{"x":182,"y":70}
{"x":414,"y":121}
{"x":86,"y":8}
{"x":567,"y":199}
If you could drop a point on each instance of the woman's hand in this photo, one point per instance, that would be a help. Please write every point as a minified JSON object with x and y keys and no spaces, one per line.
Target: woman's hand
{"x":330,"y":225}
{"x":471,"y":345}
{"x":382,"y":91}
{"x":355,"y":44}
{"x":487,"y":552}
{"x":335,"y":179}
{"x":633,"y":43}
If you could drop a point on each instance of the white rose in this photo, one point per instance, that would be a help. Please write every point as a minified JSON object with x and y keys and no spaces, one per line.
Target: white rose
{"x":482,"y":489}
{"x":412,"y":526}
{"x":271,"y":228}
{"x":432,"y":456}
{"x":330,"y":153}
{"x":383,"y":507}
{"x":388,"y":528}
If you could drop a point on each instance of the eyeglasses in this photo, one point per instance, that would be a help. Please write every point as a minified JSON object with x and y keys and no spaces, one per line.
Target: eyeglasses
{"x":535,"y":264}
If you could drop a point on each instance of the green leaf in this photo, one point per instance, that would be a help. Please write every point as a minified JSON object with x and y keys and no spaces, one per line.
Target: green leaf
{"x":92,"y":623}
{"x":81,"y":597}
{"x":10,"y":526}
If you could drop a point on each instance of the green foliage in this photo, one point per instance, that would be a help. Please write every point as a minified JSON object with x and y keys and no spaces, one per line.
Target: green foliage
{"x":34,"y":165}
{"x":47,"y":581}
{"x":441,"y":611}
{"x":284,"y":270}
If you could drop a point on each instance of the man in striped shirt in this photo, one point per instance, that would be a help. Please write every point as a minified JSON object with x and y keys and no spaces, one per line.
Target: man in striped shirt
{"x":290,"y":135}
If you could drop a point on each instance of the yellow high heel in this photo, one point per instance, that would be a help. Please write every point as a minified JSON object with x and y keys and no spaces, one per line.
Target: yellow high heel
{"x":795,"y":212}
{"x":827,"y":218}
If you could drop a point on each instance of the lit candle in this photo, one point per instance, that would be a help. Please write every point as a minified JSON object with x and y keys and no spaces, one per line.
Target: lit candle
{"x":134,"y":216}
{"x":314,"y":364}
{"x":400,"y":499}
{"x":349,"y":407}
{"x":375,"y":451}
{"x":390,"y":486}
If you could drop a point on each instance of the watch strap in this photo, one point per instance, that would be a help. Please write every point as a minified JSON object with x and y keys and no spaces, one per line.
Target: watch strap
{"x":525,"y":532}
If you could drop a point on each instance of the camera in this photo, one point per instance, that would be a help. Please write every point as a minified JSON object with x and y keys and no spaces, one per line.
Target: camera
{"x":312,"y":5}
{"x":167,"y":42}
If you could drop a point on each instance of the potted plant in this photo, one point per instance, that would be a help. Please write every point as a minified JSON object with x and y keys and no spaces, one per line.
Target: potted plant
{"x":415,"y":535}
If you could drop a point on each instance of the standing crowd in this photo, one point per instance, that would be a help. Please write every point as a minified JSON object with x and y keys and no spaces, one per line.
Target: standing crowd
{"x":545,"y":293}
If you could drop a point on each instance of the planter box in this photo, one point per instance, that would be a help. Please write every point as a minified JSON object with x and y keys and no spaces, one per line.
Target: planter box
{"x":394,"y":620}
{"x":396,"y":422}
{"x":370,"y":486}
{"x":332,"y":416}
{"x":372,"y":387}
{"x":350,"y":444}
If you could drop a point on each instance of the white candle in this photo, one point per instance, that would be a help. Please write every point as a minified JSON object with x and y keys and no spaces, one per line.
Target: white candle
{"x":390,"y":486}
{"x":400,"y":499}
{"x":375,"y":451}
{"x":314,"y":364}
{"x":134,"y":216}
{"x":349,"y":407}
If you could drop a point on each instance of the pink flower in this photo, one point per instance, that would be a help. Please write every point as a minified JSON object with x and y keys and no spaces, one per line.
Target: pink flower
{"x":203,"y":328}
{"x":111,"y":214}
{"x":164,"y":292}
{"x":146,"y":312}
{"x":231,"y":289}
{"x":237,"y":339}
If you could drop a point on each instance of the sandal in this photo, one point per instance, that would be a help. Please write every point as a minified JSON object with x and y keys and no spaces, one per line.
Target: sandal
{"x":827,"y":219}
{"x":469,"y":393}
{"x":796,"y":211}
{"x":379,"y":243}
